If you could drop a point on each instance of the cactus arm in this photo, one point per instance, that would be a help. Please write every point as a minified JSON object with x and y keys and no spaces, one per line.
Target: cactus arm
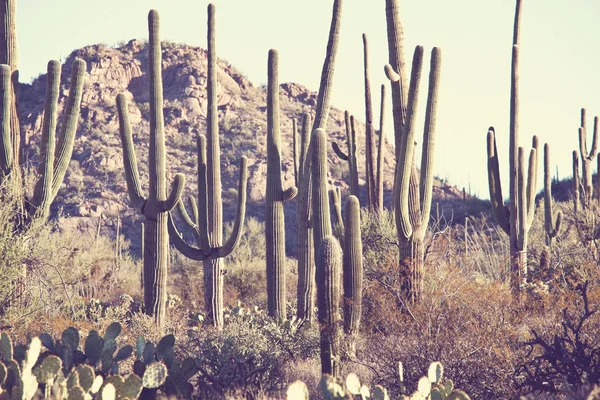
{"x":404,"y":165}
{"x":324,"y":96}
{"x":339,"y":152}
{"x":64,"y":148}
{"x":582,"y":141}
{"x":191,"y":222}
{"x":551,"y":230}
{"x":180,"y":244}
{"x":237,"y":231}
{"x":594,"y":149}
{"x":429,"y":136}
{"x":397,"y":61}
{"x":5,"y":104}
{"x":132,"y":175}
{"x":175,"y":195}
{"x":531,"y":186}
{"x":289,"y":194}
{"x":336,"y":202}
{"x":501,"y":212}
{"x":43,"y":187}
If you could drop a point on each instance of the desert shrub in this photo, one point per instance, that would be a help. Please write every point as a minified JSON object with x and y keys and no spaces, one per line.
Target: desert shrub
{"x":568,"y":355}
{"x":249,"y":356}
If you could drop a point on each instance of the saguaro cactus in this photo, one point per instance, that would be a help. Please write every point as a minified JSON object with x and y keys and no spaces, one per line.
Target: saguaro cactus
{"x":587,"y":158}
{"x":208,"y":218}
{"x":353,"y":271}
{"x":516,"y":219}
{"x":9,"y":55}
{"x":351,"y":156}
{"x":552,"y":227}
{"x":370,"y":167}
{"x":54,"y":157}
{"x":576,"y":192}
{"x":321,"y":218}
{"x":329,"y":262}
{"x":412,"y":195}
{"x":157,"y":205}
{"x":305,"y":301}
{"x":306,"y":258}
{"x":380,"y":155}
{"x":274,"y":219}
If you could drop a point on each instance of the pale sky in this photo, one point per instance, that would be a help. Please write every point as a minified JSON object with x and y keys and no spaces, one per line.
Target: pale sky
{"x":559,"y":59}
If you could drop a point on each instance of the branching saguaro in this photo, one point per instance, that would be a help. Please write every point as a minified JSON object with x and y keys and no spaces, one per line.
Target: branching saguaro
{"x":587,"y":157}
{"x":274,"y":218}
{"x":207,"y":220}
{"x":156,"y":206}
{"x":517,"y":218}
{"x":412,"y":197}
{"x":306,"y":274}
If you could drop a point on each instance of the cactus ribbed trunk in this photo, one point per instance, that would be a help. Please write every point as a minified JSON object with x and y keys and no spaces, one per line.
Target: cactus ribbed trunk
{"x":353,"y":271}
{"x":306,"y":261}
{"x":9,"y":55}
{"x":320,"y":195}
{"x":329,"y":260}
{"x":306,"y":257}
{"x":397,"y":59}
{"x":275,"y":196}
{"x":156,"y":206}
{"x":213,"y":268}
{"x":380,"y":155}
{"x":411,"y":268}
{"x":206,"y":220}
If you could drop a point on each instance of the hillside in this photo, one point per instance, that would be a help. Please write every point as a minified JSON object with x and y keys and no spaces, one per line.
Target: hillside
{"x":95,"y":184}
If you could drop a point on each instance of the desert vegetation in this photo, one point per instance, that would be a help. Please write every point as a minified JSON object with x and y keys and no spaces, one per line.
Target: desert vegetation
{"x":357,"y":277}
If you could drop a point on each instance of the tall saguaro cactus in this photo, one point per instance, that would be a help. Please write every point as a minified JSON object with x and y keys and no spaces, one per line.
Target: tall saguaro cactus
{"x":306,"y":277}
{"x":370,"y":168}
{"x":54,"y":157}
{"x":9,"y":55}
{"x":207,"y":219}
{"x":587,"y":157}
{"x":380,"y":155}
{"x":413,"y":193}
{"x":306,"y":258}
{"x":516,"y":219}
{"x":156,"y":206}
{"x":274,"y":218}
{"x":576,"y":191}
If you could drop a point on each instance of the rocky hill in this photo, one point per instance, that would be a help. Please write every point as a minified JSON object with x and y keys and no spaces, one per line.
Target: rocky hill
{"x":95,"y":187}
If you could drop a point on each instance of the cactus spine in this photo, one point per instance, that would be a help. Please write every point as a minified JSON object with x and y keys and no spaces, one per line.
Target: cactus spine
{"x":156,"y":206}
{"x":517,"y":219}
{"x":413,"y":193}
{"x":306,"y":277}
{"x":329,"y":262}
{"x":353,"y":271}
{"x":274,"y":222}
{"x":587,"y":158}
{"x":552,"y":228}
